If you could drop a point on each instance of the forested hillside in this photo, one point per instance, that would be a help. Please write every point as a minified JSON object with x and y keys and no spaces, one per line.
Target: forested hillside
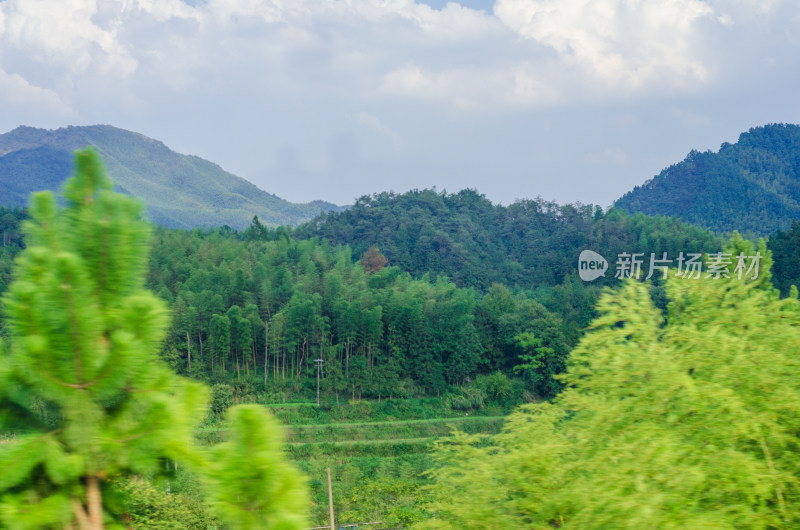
{"x":179,"y":190}
{"x":530,"y":244}
{"x":752,"y":186}
{"x":271,"y":302}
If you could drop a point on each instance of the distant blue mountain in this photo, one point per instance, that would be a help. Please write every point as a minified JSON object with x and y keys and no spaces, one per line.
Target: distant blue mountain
{"x":180,"y":191}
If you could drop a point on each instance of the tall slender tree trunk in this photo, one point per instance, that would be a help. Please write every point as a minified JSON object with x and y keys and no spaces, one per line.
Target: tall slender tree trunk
{"x":266,"y":349}
{"x":188,"y":352}
{"x":302,"y":357}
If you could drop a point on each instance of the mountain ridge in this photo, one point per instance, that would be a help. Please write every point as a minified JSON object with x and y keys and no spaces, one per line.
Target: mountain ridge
{"x":181,"y":191}
{"x":752,"y":186}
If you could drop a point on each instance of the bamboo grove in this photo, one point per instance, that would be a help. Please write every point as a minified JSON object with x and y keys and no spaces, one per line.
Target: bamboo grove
{"x":266,"y":305}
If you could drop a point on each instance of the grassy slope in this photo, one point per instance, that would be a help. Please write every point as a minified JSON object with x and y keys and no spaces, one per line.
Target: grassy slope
{"x":180,"y":191}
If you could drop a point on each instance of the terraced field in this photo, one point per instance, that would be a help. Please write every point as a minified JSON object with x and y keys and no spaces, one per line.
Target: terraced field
{"x":378,"y":465}
{"x":378,"y":453}
{"x":387,"y":430}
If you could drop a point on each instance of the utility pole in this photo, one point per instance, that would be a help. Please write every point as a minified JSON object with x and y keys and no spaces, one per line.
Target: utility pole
{"x":318,"y":363}
{"x":330,"y":499}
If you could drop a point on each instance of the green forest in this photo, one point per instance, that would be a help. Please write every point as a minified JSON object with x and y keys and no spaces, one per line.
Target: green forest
{"x":436,"y":353}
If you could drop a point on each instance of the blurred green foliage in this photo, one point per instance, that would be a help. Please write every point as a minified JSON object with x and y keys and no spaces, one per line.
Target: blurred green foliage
{"x":688,"y":420}
{"x":85,"y":402}
{"x":81,"y":383}
{"x":251,"y":485}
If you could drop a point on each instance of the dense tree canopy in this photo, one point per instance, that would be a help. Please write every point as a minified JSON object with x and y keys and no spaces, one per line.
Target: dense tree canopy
{"x":268,"y":304}
{"x":530,"y":244}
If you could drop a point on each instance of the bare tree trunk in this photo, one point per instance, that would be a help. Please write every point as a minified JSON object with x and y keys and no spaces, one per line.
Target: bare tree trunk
{"x":302,"y":358}
{"x":347,"y":358}
{"x":94,"y":503}
{"x":266,"y":349}
{"x":188,"y":352}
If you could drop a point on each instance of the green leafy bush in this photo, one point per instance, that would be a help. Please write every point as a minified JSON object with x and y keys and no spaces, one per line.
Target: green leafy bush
{"x":221,"y":398}
{"x":471,"y":398}
{"x":149,"y":506}
{"x":496,"y":387}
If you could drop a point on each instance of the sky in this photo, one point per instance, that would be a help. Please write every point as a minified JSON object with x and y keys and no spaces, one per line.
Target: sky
{"x":570,"y":100}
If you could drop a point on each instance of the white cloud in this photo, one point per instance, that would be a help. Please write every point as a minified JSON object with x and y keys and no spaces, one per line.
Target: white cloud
{"x":65,"y":34}
{"x":622,"y":43}
{"x":474,"y":61}
{"x":163,"y":10}
{"x":725,"y":20}
{"x":229,"y":11}
{"x":17,"y":92}
{"x":591,"y":50}
{"x":473,"y":89}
